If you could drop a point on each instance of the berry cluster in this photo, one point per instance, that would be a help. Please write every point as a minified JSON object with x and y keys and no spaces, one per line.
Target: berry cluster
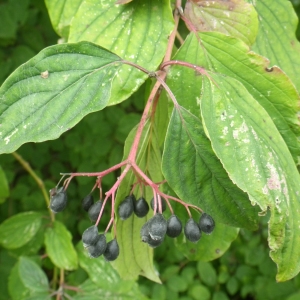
{"x":94,"y":242}
{"x":155,"y":229}
{"x":153,"y":232}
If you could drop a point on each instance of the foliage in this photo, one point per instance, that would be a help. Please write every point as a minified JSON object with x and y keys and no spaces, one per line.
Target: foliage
{"x":224,"y":134}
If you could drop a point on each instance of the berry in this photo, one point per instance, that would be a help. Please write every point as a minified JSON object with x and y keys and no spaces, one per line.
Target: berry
{"x":94,"y":210}
{"x":87,"y":202}
{"x":174,"y":226}
{"x":112,"y":250}
{"x":192,"y":231}
{"x":145,"y":233}
{"x":157,"y":227}
{"x":146,"y":238}
{"x":141,"y":207}
{"x":126,"y":207}
{"x":163,"y":204}
{"x":98,"y":248}
{"x":206,"y":223}
{"x":90,"y":236}
{"x":58,"y":200}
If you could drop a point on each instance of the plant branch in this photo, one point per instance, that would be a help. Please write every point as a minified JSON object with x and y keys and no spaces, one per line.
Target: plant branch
{"x":37,"y":179}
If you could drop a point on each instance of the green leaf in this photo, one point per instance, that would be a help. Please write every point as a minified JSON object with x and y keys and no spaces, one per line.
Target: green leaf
{"x":276,"y":37}
{"x":207,"y":273}
{"x":209,"y":247}
{"x":19,"y":229}
{"x":32,"y":276}
{"x":273,"y":90}
{"x":138,"y":32}
{"x":258,"y":161}
{"x":16,"y":287}
{"x":234,"y":17}
{"x":207,"y":185}
{"x":53,"y":91}
{"x":103,"y":278}
{"x":61,"y":13}
{"x":133,"y":252}
{"x":89,"y":290}
{"x":4,"y":189}
{"x":7,"y":263}
{"x":59,"y":247}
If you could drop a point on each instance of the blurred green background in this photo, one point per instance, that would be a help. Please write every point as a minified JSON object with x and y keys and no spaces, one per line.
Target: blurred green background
{"x":244,"y":272}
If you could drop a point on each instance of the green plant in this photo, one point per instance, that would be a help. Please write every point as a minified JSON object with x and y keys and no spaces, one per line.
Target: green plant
{"x":223,"y":136}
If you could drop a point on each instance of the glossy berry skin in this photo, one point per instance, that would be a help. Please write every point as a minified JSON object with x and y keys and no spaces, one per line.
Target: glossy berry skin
{"x":163,"y":204}
{"x":87,"y":202}
{"x":192,"y":231}
{"x":58,"y":200}
{"x":126,"y":207}
{"x":141,"y":207}
{"x":174,"y":226}
{"x":157,"y":227}
{"x":206,"y":223}
{"x":98,"y":248}
{"x":146,"y":238}
{"x":112,"y":250}
{"x":94,"y":211}
{"x":90,"y":236}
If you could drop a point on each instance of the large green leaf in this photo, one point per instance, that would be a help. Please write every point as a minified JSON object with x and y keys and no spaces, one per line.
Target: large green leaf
{"x":270,"y":87}
{"x":53,"y":91}
{"x":197,"y":176}
{"x":257,"y":159}
{"x":103,"y":279}
{"x":136,"y":257}
{"x":137,"y":31}
{"x":19,"y":229}
{"x":21,"y":292}
{"x":276,"y":37}
{"x":61,"y":13}
{"x":89,"y":290}
{"x":32,"y":276}
{"x":234,"y":17}
{"x":4,"y":189}
{"x":59,"y":247}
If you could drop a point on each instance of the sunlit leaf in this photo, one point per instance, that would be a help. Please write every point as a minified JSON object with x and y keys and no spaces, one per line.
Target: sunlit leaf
{"x":137,"y":31}
{"x":59,"y":247}
{"x":276,"y":37}
{"x":53,"y":91}
{"x":19,"y":229}
{"x":234,"y":17}
{"x":258,"y":161}
{"x":270,"y":87}
{"x":61,"y":13}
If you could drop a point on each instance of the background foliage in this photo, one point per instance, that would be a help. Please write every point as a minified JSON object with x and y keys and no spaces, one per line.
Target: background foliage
{"x":243,"y":272}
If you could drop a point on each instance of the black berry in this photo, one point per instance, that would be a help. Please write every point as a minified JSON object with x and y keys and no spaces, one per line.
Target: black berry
{"x":112,"y":250}
{"x":98,"y":248}
{"x":141,"y":207}
{"x":192,"y":231}
{"x":206,"y":223}
{"x":90,"y":236}
{"x":174,"y":226}
{"x":163,"y":204}
{"x":126,"y":207}
{"x":146,"y":238}
{"x":157,"y":227}
{"x":87,"y":202}
{"x":58,"y":200}
{"x":94,"y":210}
